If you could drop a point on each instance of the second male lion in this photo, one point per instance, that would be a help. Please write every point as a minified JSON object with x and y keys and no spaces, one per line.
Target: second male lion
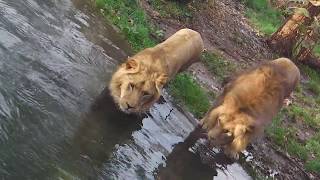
{"x":137,"y":83}
{"x":249,"y":102}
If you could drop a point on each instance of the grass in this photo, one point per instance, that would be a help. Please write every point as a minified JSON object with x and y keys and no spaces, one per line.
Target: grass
{"x":187,"y":90}
{"x":316,"y":50}
{"x":313,"y":165}
{"x":308,"y":107}
{"x":314,"y":87}
{"x":130,"y":19}
{"x":276,"y":131}
{"x":172,"y":9}
{"x":313,"y":83}
{"x":217,"y":65}
{"x":266,"y":19}
{"x":313,"y":147}
{"x":302,"y":113}
{"x":297,"y":149}
{"x":284,"y":137}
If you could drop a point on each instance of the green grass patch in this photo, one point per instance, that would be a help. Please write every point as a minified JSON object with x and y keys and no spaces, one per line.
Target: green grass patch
{"x":276,"y":132}
{"x":284,"y":137}
{"x":311,"y":73}
{"x":316,"y":137}
{"x":297,"y":112}
{"x":172,"y":9}
{"x":297,"y":149}
{"x":258,"y":5}
{"x":314,"y":87}
{"x":313,"y":146}
{"x":130,"y":19}
{"x":316,"y":50}
{"x":313,"y":83}
{"x":310,"y":117}
{"x":317,"y":100}
{"x":188,"y":91}
{"x":266,"y":19}
{"x":313,"y":165}
{"x":217,"y":65}
{"x":298,"y":89}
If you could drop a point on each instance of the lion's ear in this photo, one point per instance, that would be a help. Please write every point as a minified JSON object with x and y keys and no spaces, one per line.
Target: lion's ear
{"x":161,"y":81}
{"x":131,"y":64}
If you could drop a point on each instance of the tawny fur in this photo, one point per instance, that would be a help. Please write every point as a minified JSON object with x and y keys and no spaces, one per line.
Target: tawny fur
{"x":137,"y":83}
{"x":249,"y":102}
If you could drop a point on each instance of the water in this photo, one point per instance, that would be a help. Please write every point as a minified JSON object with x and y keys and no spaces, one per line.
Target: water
{"x":57,"y":120}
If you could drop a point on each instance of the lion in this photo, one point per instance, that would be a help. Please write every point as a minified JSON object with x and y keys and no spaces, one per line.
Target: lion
{"x":137,"y":83}
{"x":248,"y":104}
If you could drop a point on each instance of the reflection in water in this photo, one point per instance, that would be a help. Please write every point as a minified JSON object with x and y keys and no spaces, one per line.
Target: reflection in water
{"x":56,"y":58}
{"x":182,"y":164}
{"x":100,"y":130}
{"x":192,"y":159}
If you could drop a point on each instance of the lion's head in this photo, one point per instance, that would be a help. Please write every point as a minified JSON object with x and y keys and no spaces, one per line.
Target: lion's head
{"x":135,"y":87}
{"x":225,"y":123}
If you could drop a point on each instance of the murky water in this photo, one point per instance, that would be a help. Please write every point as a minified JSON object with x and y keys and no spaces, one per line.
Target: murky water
{"x":57,"y":120}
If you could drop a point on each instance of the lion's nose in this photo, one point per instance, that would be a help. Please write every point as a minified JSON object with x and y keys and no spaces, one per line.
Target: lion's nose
{"x":128,"y":106}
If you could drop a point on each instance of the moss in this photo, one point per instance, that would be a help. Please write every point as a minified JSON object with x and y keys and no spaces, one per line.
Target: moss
{"x":188,"y":91}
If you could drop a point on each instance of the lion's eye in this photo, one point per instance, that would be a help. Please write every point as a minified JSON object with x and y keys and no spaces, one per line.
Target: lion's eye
{"x":130,"y":87}
{"x":228,"y":133}
{"x":146,"y":94}
{"x":225,"y":131}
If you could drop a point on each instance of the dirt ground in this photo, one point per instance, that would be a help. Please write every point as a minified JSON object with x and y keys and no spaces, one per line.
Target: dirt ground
{"x":226,"y":31}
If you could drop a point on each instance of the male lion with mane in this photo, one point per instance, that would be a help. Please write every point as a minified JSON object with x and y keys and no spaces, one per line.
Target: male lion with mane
{"x":137,"y":83}
{"x":248,"y":103}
